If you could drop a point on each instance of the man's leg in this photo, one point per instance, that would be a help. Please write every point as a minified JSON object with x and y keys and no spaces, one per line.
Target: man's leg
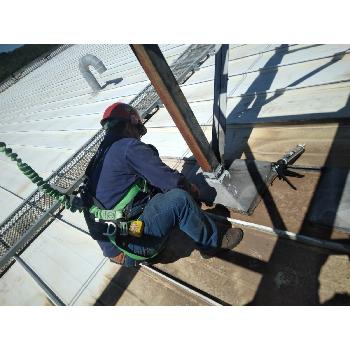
{"x":177,"y":208}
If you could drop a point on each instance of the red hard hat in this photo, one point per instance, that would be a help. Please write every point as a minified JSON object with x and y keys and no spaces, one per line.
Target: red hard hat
{"x":120,"y":111}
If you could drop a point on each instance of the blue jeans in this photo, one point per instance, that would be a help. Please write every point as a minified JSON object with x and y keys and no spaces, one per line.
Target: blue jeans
{"x":164,"y":212}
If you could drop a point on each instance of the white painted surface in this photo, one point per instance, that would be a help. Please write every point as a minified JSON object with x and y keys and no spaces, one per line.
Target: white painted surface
{"x":64,"y":258}
{"x":17,"y":288}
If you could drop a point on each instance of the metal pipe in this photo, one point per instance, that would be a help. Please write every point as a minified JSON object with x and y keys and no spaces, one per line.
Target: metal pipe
{"x":163,"y":80}
{"x":48,"y":291}
{"x":84,"y":66}
{"x":300,"y":237}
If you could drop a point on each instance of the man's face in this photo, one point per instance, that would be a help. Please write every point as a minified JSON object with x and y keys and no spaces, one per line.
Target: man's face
{"x":136,"y":122}
{"x":136,"y":130}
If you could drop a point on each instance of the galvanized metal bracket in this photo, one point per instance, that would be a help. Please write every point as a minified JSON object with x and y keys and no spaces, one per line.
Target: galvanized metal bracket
{"x":238,"y":188}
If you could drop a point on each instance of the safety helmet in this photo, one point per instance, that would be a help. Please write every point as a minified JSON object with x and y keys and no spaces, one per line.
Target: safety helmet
{"x":121,"y":112}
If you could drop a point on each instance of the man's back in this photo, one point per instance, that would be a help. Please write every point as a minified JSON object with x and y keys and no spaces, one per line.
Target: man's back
{"x":122,"y":163}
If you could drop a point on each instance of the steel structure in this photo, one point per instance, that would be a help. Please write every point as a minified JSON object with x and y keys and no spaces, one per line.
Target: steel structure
{"x":220,"y":102}
{"x":162,"y":78}
{"x":39,"y":209}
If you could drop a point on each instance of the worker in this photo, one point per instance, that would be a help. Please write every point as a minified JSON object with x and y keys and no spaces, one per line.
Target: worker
{"x":121,"y":160}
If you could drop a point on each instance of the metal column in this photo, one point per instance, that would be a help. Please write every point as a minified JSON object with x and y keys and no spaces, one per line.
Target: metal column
{"x":163,"y":80}
{"x":220,"y":101}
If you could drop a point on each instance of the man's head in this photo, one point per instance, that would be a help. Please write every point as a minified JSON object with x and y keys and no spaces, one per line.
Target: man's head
{"x":124,"y":118}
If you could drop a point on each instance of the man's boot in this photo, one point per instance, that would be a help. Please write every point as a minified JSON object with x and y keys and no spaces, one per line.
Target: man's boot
{"x":230,"y":239}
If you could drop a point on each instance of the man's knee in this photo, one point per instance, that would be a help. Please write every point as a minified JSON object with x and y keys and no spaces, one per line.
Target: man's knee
{"x":179,"y":196}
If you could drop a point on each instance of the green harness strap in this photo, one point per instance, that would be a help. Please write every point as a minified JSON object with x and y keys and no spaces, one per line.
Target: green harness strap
{"x":117,"y":213}
{"x":130,"y":254}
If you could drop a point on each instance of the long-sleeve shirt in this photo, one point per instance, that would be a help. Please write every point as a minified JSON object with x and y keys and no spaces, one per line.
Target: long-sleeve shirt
{"x":120,"y":165}
{"x":126,"y":161}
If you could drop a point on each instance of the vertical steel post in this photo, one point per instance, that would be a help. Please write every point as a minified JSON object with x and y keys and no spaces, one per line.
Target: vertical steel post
{"x":163,"y":80}
{"x":220,"y":101}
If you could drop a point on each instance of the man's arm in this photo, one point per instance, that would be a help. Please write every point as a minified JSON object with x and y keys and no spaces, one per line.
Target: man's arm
{"x":146,"y":162}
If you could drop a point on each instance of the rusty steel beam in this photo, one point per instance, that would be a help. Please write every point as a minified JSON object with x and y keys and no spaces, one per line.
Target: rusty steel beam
{"x":163,"y":80}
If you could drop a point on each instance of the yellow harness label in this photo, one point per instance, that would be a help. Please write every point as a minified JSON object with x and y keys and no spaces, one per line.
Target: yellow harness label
{"x":136,"y":228}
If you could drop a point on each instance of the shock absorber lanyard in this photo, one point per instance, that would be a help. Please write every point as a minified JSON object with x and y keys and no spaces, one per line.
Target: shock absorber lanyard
{"x":105,"y":215}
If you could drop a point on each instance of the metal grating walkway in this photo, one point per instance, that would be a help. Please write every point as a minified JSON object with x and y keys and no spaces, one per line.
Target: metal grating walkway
{"x":39,"y":209}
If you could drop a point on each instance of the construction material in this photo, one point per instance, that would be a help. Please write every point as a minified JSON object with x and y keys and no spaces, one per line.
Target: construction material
{"x":48,"y":291}
{"x":220,"y":101}
{"x":238,"y":188}
{"x":182,"y":285}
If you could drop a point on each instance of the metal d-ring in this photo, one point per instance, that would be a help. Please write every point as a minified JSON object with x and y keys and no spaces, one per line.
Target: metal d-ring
{"x":109,"y":225}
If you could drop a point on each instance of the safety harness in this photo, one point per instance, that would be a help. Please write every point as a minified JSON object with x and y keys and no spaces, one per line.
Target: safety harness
{"x":82,"y":200}
{"x":118,"y":222}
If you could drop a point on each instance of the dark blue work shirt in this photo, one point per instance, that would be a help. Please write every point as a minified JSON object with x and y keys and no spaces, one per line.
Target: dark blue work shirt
{"x":124,"y":162}
{"x":121,"y":163}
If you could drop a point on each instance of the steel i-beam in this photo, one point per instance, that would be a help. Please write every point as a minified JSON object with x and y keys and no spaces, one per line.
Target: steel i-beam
{"x":163,"y":80}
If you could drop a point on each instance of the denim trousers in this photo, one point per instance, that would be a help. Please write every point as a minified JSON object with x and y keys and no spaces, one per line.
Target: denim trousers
{"x":165,"y":211}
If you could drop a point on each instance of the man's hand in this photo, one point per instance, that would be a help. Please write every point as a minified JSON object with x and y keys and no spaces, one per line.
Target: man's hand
{"x":119,"y":259}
